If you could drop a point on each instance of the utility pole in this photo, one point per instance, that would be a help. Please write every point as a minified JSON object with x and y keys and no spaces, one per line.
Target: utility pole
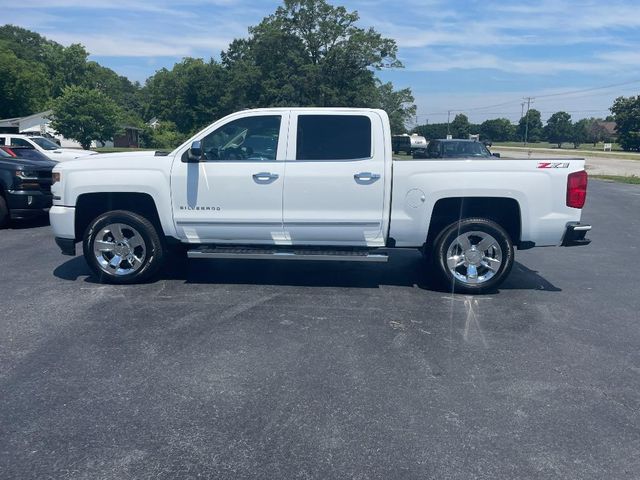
{"x":448,"y":118}
{"x":526,"y":128}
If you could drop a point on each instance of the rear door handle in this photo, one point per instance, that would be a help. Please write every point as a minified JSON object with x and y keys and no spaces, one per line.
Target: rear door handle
{"x":366,"y":176}
{"x":265,"y":176}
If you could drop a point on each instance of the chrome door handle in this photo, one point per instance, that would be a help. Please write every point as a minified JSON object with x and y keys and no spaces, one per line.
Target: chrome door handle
{"x":264,"y":176}
{"x":366,"y":176}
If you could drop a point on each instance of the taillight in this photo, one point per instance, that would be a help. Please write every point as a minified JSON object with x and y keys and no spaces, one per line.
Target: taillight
{"x":576,"y":189}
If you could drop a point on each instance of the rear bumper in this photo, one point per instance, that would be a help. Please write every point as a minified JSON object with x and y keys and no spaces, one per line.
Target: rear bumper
{"x":574,"y":235}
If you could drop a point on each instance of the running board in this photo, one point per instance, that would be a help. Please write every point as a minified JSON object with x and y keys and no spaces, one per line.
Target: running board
{"x":255,"y":253}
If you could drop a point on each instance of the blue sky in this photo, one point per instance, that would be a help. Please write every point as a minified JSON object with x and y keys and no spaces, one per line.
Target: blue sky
{"x":458,"y":55}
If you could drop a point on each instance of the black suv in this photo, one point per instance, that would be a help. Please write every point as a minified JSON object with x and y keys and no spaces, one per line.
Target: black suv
{"x":25,"y":186}
{"x":455,"y":148}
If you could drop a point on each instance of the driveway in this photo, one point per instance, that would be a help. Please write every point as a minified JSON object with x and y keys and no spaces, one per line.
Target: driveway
{"x":260,"y":369}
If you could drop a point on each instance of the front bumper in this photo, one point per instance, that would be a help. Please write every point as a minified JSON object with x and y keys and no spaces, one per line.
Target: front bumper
{"x":67,"y":245}
{"x":574,"y":235}
{"x":62,"y":220}
{"x":28,"y":204}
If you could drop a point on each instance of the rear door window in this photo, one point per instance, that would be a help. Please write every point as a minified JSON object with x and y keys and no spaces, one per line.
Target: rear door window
{"x":333,"y":137}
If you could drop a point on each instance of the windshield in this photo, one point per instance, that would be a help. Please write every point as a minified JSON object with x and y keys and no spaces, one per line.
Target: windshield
{"x":464,"y":149}
{"x":45,"y":143}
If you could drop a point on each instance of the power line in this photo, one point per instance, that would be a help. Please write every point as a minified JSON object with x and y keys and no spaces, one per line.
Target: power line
{"x":549,"y":95}
{"x":588,"y":89}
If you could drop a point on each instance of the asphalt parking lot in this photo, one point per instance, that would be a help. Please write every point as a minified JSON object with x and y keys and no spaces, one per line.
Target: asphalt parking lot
{"x":259,"y":369}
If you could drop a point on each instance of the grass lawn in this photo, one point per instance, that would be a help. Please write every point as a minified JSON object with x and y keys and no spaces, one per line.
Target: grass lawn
{"x":565,"y":146}
{"x":541,"y":147}
{"x":618,"y":178}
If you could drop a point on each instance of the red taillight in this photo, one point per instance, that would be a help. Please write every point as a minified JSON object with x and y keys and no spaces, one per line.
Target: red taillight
{"x":576,"y":189}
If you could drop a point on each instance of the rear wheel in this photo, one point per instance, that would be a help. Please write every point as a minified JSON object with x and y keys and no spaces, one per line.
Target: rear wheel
{"x":473,"y":255}
{"x":123,"y":247}
{"x":4,"y":213}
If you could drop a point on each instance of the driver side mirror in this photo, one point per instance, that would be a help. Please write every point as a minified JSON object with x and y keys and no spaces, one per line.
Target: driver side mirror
{"x":194,"y":154}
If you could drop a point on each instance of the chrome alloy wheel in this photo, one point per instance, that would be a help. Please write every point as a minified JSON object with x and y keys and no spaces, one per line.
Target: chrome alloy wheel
{"x":474,"y":257}
{"x":119,"y":249}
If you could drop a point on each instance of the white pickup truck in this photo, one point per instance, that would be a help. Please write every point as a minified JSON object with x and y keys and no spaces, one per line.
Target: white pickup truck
{"x":313,"y":184}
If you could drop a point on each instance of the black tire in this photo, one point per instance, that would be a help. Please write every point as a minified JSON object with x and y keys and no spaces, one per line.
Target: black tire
{"x":447,"y":239}
{"x":154,"y":247}
{"x":4,"y":213}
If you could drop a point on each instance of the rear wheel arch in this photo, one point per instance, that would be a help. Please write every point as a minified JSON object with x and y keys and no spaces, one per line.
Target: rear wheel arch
{"x":504,"y":211}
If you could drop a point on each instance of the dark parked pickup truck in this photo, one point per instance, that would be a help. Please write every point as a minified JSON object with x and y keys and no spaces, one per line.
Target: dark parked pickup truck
{"x":25,"y":186}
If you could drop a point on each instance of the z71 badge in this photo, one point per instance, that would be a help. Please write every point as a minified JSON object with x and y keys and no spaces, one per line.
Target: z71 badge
{"x":553,"y":165}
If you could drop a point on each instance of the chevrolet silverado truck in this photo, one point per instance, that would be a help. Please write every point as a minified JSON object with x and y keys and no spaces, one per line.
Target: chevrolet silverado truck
{"x":312,"y":184}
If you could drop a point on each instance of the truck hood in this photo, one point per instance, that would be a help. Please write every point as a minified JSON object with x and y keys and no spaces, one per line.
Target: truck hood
{"x":116,"y":161}
{"x":23,"y":163}
{"x":118,"y":155}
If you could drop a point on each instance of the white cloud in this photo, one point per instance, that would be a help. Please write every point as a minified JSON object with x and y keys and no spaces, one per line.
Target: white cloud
{"x":129,"y":46}
{"x":471,"y":59}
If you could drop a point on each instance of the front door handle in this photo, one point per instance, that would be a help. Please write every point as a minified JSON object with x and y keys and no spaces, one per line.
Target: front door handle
{"x":366,"y":176}
{"x":265,"y":176}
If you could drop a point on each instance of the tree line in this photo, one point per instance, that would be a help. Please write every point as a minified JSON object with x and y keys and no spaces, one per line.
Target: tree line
{"x":306,"y":53}
{"x":559,"y":129}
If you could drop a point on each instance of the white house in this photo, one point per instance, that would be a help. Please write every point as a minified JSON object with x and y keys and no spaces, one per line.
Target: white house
{"x":39,"y":124}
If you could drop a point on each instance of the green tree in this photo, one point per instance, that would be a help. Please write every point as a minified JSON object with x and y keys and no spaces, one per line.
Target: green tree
{"x":580,"y":132}
{"x":497,"y":130}
{"x":85,"y":115}
{"x":432,"y":131}
{"x":190,"y":94}
{"x":24,"y":86}
{"x":460,"y":127}
{"x":165,"y":135}
{"x":35,"y":70}
{"x":308,"y":53}
{"x":398,"y":104}
{"x":530,"y":126}
{"x":626,"y":114}
{"x":596,"y":132}
{"x":559,"y":128}
{"x":117,"y":87}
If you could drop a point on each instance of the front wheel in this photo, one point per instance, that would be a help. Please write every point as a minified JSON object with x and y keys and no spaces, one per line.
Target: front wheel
{"x":473,"y":255}
{"x":123,"y":247}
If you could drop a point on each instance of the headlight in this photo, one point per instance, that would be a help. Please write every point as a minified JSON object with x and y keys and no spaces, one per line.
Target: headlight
{"x":26,"y":175}
{"x":55,"y":177}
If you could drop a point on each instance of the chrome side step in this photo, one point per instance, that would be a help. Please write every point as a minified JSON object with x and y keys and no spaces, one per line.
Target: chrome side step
{"x":257,"y":253}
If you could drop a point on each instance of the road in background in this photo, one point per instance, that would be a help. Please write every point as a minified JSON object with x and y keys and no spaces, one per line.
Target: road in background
{"x":261,"y":369}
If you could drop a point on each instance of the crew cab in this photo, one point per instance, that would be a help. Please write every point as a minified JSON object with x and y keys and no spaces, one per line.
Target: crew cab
{"x":312,"y":184}
{"x":45,"y":146}
{"x":25,"y":186}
